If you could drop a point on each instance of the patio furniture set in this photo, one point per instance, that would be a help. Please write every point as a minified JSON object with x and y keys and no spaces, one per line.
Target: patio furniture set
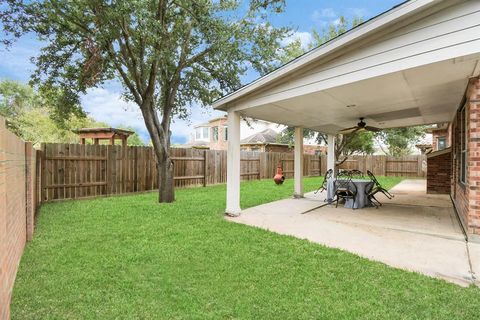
{"x":353,"y":187}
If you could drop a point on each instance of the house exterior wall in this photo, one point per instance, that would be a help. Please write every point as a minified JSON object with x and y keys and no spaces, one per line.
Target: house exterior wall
{"x":436,"y":135}
{"x":466,"y":195}
{"x":221,"y":143}
{"x":439,"y":172}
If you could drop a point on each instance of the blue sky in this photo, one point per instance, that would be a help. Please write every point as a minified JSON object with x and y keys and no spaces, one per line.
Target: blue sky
{"x":105,"y":104}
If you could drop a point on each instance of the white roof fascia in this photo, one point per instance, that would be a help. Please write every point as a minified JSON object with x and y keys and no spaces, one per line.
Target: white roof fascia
{"x":323,"y":50}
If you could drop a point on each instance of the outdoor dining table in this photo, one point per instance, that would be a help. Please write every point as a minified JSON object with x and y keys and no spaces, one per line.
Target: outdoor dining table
{"x":361,"y":199}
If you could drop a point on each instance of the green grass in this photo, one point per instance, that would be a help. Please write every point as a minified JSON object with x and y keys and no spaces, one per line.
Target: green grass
{"x":128,"y":257}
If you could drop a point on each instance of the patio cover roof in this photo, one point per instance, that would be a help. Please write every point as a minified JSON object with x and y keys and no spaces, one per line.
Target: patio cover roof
{"x":406,"y":67}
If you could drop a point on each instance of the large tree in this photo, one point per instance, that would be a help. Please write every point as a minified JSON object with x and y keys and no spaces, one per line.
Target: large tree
{"x":398,"y":142}
{"x":168,"y":54}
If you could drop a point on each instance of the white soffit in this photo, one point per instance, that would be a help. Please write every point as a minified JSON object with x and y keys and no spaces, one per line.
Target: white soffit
{"x":423,"y":95}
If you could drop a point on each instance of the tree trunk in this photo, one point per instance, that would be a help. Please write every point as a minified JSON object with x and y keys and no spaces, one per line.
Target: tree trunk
{"x":165,"y":181}
{"x":161,"y":144}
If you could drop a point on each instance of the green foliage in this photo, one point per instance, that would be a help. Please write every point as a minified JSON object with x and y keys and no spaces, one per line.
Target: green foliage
{"x":134,"y":139}
{"x":15,"y":99}
{"x":173,"y":52}
{"x":400,"y":140}
{"x":37,"y":126}
{"x":167,"y":54}
{"x":294,"y":49}
{"x":287,"y":135}
{"x":357,"y":143}
{"x":126,"y":257}
{"x":29,"y":116}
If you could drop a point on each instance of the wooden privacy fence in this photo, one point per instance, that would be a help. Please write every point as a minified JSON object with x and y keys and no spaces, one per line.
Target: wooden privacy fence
{"x":71,"y":171}
{"x":409,"y":166}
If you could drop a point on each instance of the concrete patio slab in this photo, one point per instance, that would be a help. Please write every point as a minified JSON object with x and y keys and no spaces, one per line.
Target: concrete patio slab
{"x":420,"y":235}
{"x":474,"y":251}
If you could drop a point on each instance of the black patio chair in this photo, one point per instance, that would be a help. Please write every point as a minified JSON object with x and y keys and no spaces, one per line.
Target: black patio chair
{"x":356,"y":173}
{"x":344,"y":174}
{"x":345,"y":189}
{"x":326,"y":177}
{"x":377,"y":188}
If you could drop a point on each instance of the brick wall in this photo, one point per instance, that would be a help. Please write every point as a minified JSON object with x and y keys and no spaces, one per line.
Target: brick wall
{"x":467,"y":195}
{"x":17,"y":180}
{"x":473,"y":104}
{"x":439,"y":171}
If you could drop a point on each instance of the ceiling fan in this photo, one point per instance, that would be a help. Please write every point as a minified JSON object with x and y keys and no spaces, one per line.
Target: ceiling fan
{"x":361,"y":126}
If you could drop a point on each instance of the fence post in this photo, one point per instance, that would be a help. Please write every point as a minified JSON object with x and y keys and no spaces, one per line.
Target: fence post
{"x":38,"y":179}
{"x":135,"y":168}
{"x":43,"y":185}
{"x":385,"y":165}
{"x":205,"y":165}
{"x":420,"y":172}
{"x":111,"y":169}
{"x":29,"y":189}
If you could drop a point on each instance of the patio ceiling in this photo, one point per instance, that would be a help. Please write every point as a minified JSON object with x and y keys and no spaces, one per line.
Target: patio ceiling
{"x":424,"y":95}
{"x":407,"y":67}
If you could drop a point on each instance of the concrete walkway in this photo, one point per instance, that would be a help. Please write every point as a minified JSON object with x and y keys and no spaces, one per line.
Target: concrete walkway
{"x":413,"y":231}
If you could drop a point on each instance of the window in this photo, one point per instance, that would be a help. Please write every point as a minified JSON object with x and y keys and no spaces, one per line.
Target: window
{"x":225,"y":133}
{"x":441,"y":143}
{"x":205,"y":132}
{"x":215,"y":133}
{"x":463,"y":145}
{"x":198,"y":133}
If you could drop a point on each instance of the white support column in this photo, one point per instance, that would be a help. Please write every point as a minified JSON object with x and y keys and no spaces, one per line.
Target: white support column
{"x":298,"y":163}
{"x":330,"y":165}
{"x":331,"y":152}
{"x":233,"y":165}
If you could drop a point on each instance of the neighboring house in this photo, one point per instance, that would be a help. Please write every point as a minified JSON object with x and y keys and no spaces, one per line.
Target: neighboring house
{"x":214,"y":133}
{"x":256,"y":135}
{"x":211,"y":135}
{"x":264,"y":141}
{"x":441,"y":136}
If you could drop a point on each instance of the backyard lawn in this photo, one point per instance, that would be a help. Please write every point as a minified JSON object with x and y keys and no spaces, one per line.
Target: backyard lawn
{"x":128,"y":257}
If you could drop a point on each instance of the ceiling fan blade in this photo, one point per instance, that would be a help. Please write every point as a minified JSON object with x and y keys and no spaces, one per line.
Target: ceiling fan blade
{"x":373,"y":129}
{"x":349,"y":130}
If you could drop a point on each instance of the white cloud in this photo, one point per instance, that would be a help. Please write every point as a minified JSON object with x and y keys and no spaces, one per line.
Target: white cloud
{"x":323,"y":17}
{"x":108,"y":106}
{"x":336,"y":22}
{"x":304,"y":37}
{"x":322,"y":14}
{"x":358,"y":12}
